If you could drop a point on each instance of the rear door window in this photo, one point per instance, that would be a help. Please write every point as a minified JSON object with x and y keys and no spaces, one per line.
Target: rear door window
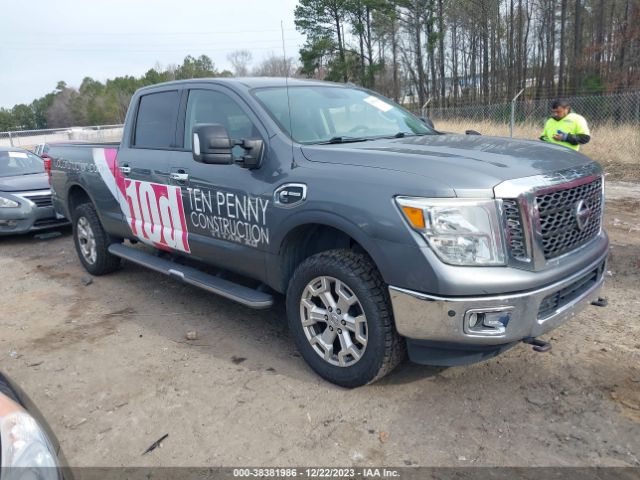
{"x":156,"y":122}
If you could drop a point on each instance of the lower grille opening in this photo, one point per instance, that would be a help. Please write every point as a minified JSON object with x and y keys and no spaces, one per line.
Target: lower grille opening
{"x":46,"y":222}
{"x":559,"y":299}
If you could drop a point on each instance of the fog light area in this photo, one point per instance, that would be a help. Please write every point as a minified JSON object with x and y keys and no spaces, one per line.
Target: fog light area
{"x":487,"y":322}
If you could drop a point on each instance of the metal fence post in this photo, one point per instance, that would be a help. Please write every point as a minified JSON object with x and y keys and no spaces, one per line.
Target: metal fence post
{"x":10,"y":139}
{"x":513,"y":112}
{"x":423,"y":110}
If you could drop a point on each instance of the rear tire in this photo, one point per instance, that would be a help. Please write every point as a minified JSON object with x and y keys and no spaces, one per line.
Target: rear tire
{"x":92,"y":242}
{"x":339,"y":313}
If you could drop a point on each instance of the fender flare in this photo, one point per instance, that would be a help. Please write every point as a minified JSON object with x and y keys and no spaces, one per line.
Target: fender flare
{"x":319,"y":217}
{"x":67,"y":200}
{"x":87,"y":192}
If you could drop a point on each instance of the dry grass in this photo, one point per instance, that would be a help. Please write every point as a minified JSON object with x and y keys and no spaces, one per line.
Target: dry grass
{"x":616,"y":147}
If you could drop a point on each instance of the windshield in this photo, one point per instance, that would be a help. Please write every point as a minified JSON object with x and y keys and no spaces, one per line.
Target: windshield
{"x":13,"y":163}
{"x":334,"y":114}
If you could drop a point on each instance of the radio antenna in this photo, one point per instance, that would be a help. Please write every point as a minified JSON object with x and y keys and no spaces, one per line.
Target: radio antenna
{"x":286,"y":82}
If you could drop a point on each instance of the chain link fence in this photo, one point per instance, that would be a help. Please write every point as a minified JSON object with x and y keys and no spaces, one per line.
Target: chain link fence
{"x":517,"y":118}
{"x":29,"y":139}
{"x":521,"y":115}
{"x":614,"y":122}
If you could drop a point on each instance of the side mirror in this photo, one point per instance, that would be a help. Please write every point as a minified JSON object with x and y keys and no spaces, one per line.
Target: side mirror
{"x":427,"y":121}
{"x":472,"y":132}
{"x":254,"y":150}
{"x":211,"y":144}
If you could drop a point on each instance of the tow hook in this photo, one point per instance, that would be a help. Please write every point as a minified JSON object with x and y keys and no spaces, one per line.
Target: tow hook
{"x":538,"y":345}
{"x":600,"y":302}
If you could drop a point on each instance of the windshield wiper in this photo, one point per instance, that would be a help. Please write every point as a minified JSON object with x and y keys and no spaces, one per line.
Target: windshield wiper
{"x":410,"y":134}
{"x":402,"y":135}
{"x":343,"y":140}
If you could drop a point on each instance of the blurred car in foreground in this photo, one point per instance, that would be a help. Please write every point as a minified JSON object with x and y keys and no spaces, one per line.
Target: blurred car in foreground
{"x":29,"y":449}
{"x":25,"y":193}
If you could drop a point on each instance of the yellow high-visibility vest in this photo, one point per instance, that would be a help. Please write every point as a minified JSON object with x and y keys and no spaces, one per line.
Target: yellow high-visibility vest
{"x":572,"y":123}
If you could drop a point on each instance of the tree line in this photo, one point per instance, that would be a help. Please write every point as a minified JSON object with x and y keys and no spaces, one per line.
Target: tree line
{"x":446,"y":52}
{"x":451,"y":52}
{"x":97,"y":103}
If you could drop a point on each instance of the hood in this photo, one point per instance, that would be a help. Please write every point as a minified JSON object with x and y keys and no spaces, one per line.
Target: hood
{"x":24,"y":183}
{"x":464,"y":162}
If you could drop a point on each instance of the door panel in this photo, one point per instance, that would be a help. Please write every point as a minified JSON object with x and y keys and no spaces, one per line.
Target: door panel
{"x":152,"y":205}
{"x":227,"y":206}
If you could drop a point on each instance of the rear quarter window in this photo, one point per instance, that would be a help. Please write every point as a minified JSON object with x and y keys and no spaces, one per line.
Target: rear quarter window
{"x":156,"y":120}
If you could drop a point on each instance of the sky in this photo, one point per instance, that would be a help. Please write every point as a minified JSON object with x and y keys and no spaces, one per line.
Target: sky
{"x":45,"y":41}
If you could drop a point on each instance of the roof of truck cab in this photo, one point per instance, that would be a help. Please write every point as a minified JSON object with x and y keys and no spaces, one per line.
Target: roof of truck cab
{"x":249,"y":82}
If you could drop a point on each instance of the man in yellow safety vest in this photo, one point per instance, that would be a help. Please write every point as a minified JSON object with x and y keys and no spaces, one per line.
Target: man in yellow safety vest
{"x":564,"y":127}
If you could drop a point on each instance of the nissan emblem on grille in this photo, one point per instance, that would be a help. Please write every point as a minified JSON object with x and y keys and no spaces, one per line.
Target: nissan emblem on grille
{"x":569,"y":217}
{"x":583,"y":214}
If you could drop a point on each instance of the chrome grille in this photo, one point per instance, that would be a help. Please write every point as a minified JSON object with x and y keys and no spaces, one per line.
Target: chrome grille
{"x":557,"y":213}
{"x":41,"y":200}
{"x":514,"y":229}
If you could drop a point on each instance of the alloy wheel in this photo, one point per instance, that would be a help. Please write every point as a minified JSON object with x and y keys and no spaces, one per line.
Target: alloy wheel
{"x":333,"y":321}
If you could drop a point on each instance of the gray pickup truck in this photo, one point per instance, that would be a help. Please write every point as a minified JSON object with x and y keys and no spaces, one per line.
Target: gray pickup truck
{"x":385,"y":235}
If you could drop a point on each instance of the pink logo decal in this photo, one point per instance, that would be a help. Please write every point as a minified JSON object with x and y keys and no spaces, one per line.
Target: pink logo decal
{"x":156,"y":214}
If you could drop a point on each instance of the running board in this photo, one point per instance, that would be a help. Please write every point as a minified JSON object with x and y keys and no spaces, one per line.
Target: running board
{"x":233,"y":291}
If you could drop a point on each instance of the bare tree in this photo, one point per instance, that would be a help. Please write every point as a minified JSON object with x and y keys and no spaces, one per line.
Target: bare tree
{"x":240,"y":61}
{"x":275,"y":66}
{"x":60,"y":113}
{"x":411,"y":16}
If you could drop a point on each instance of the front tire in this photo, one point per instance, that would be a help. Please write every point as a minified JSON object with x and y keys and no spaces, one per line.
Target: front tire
{"x":339,"y":313}
{"x":92,"y":242}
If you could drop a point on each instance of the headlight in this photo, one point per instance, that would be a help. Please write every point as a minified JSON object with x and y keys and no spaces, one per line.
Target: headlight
{"x":26,"y":451}
{"x":460,"y":231}
{"x":6,"y":203}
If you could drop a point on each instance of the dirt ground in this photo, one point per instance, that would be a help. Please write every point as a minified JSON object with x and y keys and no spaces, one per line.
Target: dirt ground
{"x":109,"y":366}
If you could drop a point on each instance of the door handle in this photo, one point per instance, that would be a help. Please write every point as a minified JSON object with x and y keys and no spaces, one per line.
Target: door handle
{"x":180,"y":177}
{"x":125,"y":169}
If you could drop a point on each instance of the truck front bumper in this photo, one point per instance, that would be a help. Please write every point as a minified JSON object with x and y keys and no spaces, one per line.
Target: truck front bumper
{"x":458,"y":321}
